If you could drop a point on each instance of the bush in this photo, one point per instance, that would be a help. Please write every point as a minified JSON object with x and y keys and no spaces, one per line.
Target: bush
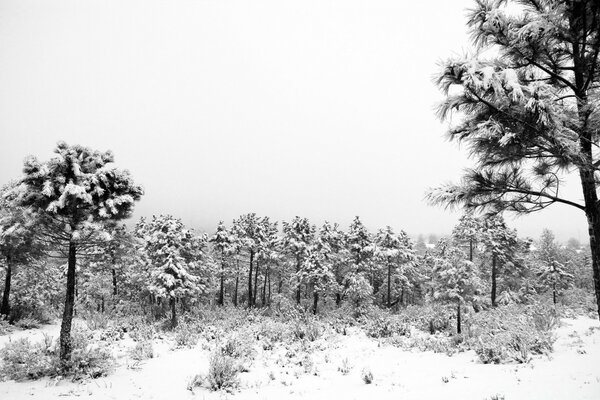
{"x":23,"y":360}
{"x":142,"y":351}
{"x":512,"y":333}
{"x":384,"y":325}
{"x":367,"y":376}
{"x":28,"y":323}
{"x":222,"y":372}
{"x":186,"y":335}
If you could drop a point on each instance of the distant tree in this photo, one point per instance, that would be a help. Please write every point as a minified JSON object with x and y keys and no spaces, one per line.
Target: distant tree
{"x":455,"y":278}
{"x":332,"y":243}
{"x":501,"y":243}
{"x":394,"y":250}
{"x":248,"y":231}
{"x":269,"y":255}
{"x":224,"y":245}
{"x":468,"y":230}
{"x":529,"y":109}
{"x":298,"y":237}
{"x":552,"y":270}
{"x":74,"y":194}
{"x":316,"y":270}
{"x":177,"y":264}
{"x":17,"y":241}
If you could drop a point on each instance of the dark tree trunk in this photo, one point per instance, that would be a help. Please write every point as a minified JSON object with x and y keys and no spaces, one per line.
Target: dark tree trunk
{"x":471,"y":250}
{"x":114,"y":281}
{"x":67,"y":318}
{"x":269,"y":295}
{"x":5,"y":307}
{"x":389,"y":284}
{"x":554,"y":293}
{"x":298,"y":294}
{"x":222,"y":286}
{"x":577,"y":26}
{"x":494,"y":280}
{"x":338,"y":299}
{"x":235,"y":294}
{"x":458,"y":321}
{"x":315,"y":301}
{"x":173,"y":313}
{"x":102,"y":304}
{"x":264,"y":291}
{"x":250,"y":279}
{"x":256,"y":287}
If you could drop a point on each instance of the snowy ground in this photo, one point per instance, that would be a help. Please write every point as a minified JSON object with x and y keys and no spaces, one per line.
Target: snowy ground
{"x":570,"y":373}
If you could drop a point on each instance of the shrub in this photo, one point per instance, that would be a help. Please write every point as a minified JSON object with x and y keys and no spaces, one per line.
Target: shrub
{"x":28,"y":323}
{"x":23,"y":360}
{"x":307,"y":329}
{"x":96,"y":320}
{"x":345,"y":367}
{"x":142,"y":351}
{"x":384,"y":325}
{"x":186,"y":336}
{"x":367,"y":376}
{"x":222,"y":372}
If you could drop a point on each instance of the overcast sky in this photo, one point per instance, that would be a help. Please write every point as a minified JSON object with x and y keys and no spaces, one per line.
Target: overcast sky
{"x":321,"y":108}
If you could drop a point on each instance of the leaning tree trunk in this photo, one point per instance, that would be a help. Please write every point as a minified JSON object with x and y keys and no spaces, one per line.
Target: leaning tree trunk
{"x":66,"y":346}
{"x":494,"y":280}
{"x":315,"y":301}
{"x":5,"y":307}
{"x":114,"y":281}
{"x":250,"y":279}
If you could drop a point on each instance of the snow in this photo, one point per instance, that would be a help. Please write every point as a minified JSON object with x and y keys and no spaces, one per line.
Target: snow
{"x":569,"y":373}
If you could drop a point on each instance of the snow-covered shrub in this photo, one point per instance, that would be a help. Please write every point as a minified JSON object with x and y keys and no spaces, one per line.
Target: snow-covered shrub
{"x":96,"y":320}
{"x":88,"y":360}
{"x":381,"y":324}
{"x":186,"y":335}
{"x":142,"y":333}
{"x":345,"y":367}
{"x":429,"y":318}
{"x":21,"y":359}
{"x":510,"y":334}
{"x":309,"y":329}
{"x":222,"y":372}
{"x":142,"y":350}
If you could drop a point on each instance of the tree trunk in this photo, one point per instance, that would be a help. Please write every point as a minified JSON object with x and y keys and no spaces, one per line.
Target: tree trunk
{"x":298,"y":294}
{"x":269,"y":295}
{"x":67,"y":318}
{"x":264,"y":291}
{"x":471,"y":250}
{"x":554,"y":293}
{"x":114,"y":281}
{"x":458,"y":325}
{"x":173,"y":313}
{"x":494,"y":280}
{"x":338,"y":299}
{"x":5,"y":307}
{"x":256,"y":287}
{"x":389,"y":284}
{"x":250,"y":279}
{"x":315,"y":301}
{"x":586,"y":169}
{"x":235,"y":294}
{"x":221,"y":289}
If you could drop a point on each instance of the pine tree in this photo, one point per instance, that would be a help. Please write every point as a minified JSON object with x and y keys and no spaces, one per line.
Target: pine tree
{"x":298,"y":237}
{"x":175,"y":259}
{"x":530,"y":113}
{"x":247,"y":230}
{"x":17,"y":241}
{"x":73,"y":194}
{"x":455,"y":278}
{"x":224,"y":245}
{"x":552,"y":271}
{"x":395,"y":251}
{"x":332,"y":242}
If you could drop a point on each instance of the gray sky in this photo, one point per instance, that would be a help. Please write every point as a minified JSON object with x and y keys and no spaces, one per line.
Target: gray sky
{"x":315,"y":108}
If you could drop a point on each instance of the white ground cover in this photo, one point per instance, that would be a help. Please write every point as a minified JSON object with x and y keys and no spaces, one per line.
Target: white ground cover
{"x":571,"y":372}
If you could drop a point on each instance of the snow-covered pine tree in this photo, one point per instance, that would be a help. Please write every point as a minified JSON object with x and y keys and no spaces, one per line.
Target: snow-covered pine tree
{"x":530,"y":109}
{"x":223,"y":244}
{"x":177,"y":265}
{"x":332,"y":242}
{"x":552,"y":271}
{"x":73,"y":195}
{"x":397,"y":254}
{"x":17,"y":241}
{"x":247,"y":230}
{"x":298,"y":237}
{"x":455,"y":278}
{"x":501,"y":243}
